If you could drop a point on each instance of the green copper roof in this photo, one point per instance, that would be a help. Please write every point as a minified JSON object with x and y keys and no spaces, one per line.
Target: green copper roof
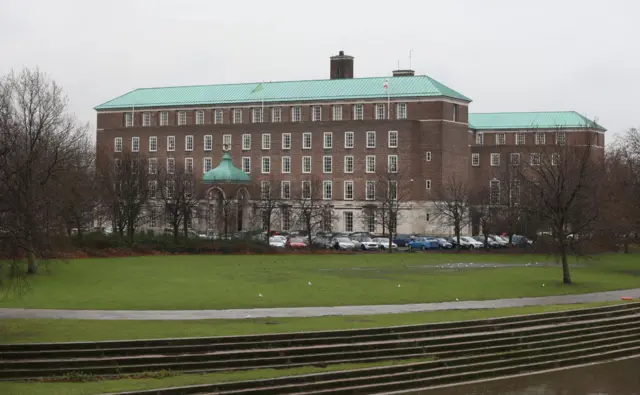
{"x":532,"y":120}
{"x":283,"y":91}
{"x":226,"y":173}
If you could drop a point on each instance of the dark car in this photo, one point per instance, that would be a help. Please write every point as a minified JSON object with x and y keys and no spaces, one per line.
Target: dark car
{"x":402,"y":240}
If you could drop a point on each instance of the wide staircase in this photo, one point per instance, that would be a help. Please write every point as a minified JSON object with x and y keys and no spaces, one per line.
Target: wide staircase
{"x":454,"y":352}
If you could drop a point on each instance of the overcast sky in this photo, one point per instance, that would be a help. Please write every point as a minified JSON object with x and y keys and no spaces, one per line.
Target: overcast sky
{"x":506,"y":55}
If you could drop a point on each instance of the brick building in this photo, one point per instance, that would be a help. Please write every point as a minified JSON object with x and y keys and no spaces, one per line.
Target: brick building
{"x":344,"y":131}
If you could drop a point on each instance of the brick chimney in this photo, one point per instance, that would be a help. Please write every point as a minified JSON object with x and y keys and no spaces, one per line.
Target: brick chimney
{"x":341,"y":66}
{"x":404,"y":73}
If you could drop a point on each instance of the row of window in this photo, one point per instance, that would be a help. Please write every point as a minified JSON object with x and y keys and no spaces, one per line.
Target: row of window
{"x":257,"y":115}
{"x":348,"y":190}
{"x":521,"y":138}
{"x":535,"y":158}
{"x":349,"y":141}
{"x":513,"y":192}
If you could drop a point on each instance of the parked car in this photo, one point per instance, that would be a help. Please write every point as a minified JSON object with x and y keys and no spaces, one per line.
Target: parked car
{"x":443,"y":243}
{"x":521,"y":241}
{"x":383,"y":243}
{"x":363,"y":242}
{"x":471,"y":242}
{"x":277,"y":241}
{"x":296,"y":242}
{"x":343,"y":243}
{"x":499,"y":241}
{"x":423,"y":243}
{"x":402,"y":240}
{"x":490,"y":242}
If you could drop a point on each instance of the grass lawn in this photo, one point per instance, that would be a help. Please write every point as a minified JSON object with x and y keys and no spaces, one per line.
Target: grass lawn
{"x":223,"y":282}
{"x":43,"y":331}
{"x":129,"y":384}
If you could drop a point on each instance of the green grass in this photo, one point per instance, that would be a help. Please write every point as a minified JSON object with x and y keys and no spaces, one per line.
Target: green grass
{"x":109,"y":386}
{"x":222,"y":282}
{"x":45,"y":330}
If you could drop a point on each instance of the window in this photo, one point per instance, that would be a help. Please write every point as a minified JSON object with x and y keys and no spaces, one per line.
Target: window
{"x":237,"y":115}
{"x":540,"y":138}
{"x":182,"y":118}
{"x":265,"y":189}
{"x":296,"y":114}
{"x":494,"y":192}
{"x":171,"y":143}
{"x":514,"y":192}
{"x":370,"y":190}
{"x":306,"y":164}
{"x":428,"y":185}
{"x":371,"y":220}
{"x":170,"y":189}
{"x":392,"y":163}
{"x":555,"y":158}
{"x":337,"y":113}
{"x":348,"y":221}
{"x":475,"y":159}
{"x":479,"y":138}
{"x":316,"y":113}
{"x":199,"y":117}
{"x":348,"y":164}
{"x":153,"y":144}
{"x":500,"y":139}
{"x":358,"y":112}
{"x":135,"y":144}
{"x":286,"y":140}
{"x":455,"y":113}
{"x":328,"y":140}
{"x":327,"y":190}
{"x":286,"y":164}
{"x":348,"y":190}
{"x":286,"y":217}
{"x":188,"y":143}
{"x":514,"y":158}
{"x":380,"y":111}
{"x":285,"y":190}
{"x":246,"y":164}
{"x":561,"y":138}
{"x":257,"y":115}
{"x":393,"y":190}
{"x":327,"y":164}
{"x":276,"y":114}
{"x":495,"y":159}
{"x":207,"y":164}
{"x":117,"y":144}
{"x":171,"y":165}
{"x":393,"y":139}
{"x":153,"y":189}
{"x":348,"y":140}
{"x":401,"y":111}
{"x":188,"y":165}
{"x":427,"y":156}
{"x":128,"y":119}
{"x":520,"y":138}
{"x":218,"y":117}
{"x":306,"y":190}
{"x":535,"y":158}
{"x":371,"y":139}
{"x":266,"y":165}
{"x":246,"y":142}
{"x":306,"y":140}
{"x":266,"y":141}
{"x":146,"y":119}
{"x":117,"y":166}
{"x":226,"y":141}
{"x":153,"y":165}
{"x":164,"y":118}
{"x":208,"y":142}
{"x":371,"y":164}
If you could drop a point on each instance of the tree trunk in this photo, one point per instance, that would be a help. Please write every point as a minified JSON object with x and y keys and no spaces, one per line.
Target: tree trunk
{"x":566,"y":274}
{"x":626,"y":245}
{"x":32,"y":266}
{"x":176,"y":233}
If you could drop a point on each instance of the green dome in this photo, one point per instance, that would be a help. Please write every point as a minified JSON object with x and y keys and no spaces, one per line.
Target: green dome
{"x":226,"y":173}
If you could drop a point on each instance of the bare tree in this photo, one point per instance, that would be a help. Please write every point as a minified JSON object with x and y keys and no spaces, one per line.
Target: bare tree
{"x":128,"y":181}
{"x":271,"y":197}
{"x":176,"y":189}
{"x":310,"y":208}
{"x":452,"y":205}
{"x":39,"y":141}
{"x":562,"y":183}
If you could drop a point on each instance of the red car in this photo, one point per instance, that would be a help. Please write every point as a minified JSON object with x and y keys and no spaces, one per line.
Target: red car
{"x":296,"y":242}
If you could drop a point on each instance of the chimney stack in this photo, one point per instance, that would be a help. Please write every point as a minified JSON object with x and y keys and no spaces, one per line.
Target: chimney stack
{"x":341,"y":66}
{"x":404,"y":73}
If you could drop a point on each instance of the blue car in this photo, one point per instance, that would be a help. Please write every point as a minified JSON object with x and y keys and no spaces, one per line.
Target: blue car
{"x":423,"y":243}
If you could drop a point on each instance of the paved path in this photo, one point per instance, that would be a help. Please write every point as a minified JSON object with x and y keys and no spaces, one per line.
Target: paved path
{"x":313,"y":311}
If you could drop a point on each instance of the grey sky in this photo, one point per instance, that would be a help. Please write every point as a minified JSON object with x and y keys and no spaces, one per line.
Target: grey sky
{"x":506,"y":55}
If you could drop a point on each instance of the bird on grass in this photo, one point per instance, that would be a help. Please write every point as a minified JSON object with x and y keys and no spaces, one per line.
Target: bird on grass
{"x":309,"y":282}
{"x":260,"y":295}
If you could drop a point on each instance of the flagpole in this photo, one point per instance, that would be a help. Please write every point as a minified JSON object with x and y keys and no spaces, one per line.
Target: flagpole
{"x":388,"y":104}
{"x":262,"y":120}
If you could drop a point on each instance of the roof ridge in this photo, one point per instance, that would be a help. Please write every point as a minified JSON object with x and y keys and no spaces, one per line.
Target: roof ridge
{"x":525,"y":112}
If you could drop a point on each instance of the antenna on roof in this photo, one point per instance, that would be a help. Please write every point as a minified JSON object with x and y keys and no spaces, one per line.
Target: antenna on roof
{"x":410,"y":52}
{"x":398,"y":64}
